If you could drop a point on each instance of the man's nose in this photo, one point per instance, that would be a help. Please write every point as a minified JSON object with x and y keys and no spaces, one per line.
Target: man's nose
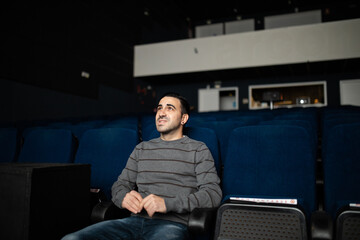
{"x":162,"y":113}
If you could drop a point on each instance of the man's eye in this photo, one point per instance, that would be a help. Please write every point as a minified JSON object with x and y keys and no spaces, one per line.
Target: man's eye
{"x":170,"y":108}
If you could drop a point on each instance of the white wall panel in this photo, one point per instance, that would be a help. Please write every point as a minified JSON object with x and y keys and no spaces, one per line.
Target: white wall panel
{"x":299,"y":44}
{"x":350,"y":92}
{"x":209,"y":30}
{"x":293,"y":19}
{"x":240,"y":26}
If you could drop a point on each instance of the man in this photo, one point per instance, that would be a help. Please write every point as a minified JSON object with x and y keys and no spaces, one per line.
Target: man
{"x":163,"y":181}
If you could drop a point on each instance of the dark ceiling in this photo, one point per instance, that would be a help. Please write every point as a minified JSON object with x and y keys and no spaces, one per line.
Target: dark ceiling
{"x":49,"y":44}
{"x":201,"y":11}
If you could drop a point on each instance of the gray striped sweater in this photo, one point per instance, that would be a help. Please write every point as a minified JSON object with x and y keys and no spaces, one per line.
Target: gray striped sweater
{"x":180,"y":171}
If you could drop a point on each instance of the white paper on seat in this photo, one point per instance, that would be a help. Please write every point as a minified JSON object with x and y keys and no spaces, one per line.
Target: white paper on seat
{"x":357,"y":205}
{"x":266,"y":200}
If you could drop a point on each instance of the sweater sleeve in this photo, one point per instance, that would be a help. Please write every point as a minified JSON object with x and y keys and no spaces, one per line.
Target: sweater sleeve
{"x":126,"y":181}
{"x":208,"y":193}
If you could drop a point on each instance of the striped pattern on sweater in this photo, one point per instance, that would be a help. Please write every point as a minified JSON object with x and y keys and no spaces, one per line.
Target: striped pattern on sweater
{"x":180,"y":171}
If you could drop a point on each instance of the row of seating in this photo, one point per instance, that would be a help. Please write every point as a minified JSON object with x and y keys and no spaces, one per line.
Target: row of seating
{"x":106,"y":149}
{"x":340,"y":152}
{"x":223,"y":123}
{"x":266,"y":157}
{"x":277,"y":163}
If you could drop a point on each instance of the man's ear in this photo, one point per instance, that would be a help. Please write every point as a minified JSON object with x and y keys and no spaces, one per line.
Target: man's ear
{"x":184,"y":118}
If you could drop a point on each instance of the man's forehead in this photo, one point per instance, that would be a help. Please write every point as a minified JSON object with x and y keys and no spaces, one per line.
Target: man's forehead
{"x":169,"y":100}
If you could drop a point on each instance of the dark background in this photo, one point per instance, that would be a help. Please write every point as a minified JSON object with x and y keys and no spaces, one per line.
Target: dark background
{"x":46,"y":47}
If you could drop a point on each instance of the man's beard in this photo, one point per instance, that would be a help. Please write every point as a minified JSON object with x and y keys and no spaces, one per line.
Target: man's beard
{"x":168,"y":129}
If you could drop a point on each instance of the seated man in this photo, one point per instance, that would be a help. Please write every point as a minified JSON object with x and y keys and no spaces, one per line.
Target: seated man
{"x":163,"y":181}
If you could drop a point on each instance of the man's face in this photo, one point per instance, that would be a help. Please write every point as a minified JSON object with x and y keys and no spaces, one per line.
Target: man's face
{"x":168,"y":115}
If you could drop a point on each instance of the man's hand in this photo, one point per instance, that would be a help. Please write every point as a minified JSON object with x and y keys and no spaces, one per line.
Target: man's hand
{"x":132,"y":202}
{"x":152,"y":204}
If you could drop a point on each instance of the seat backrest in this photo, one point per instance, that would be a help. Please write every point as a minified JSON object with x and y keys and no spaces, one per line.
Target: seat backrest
{"x":147,"y":129}
{"x":8,"y":144}
{"x":27,"y":130}
{"x":342,"y":167}
{"x":123,"y":122}
{"x":251,"y":221}
{"x":348,"y":224}
{"x":223,"y":129}
{"x":79,"y":128}
{"x":271,"y":161}
{"x":107,"y":150}
{"x":48,"y":145}
{"x":307,"y":114}
{"x":295,"y":122}
{"x":117,"y":124}
{"x":329,"y":123}
{"x":248,"y":119}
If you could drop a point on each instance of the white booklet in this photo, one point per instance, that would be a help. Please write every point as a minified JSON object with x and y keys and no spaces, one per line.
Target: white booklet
{"x":266,"y":200}
{"x":357,"y":205}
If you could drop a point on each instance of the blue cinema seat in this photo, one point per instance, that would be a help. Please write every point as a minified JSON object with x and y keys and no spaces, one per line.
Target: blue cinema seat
{"x":48,"y":146}
{"x":308,"y":114}
{"x":341,"y":179}
{"x":248,"y":119}
{"x":107,"y":150}
{"x":147,"y":127}
{"x":79,"y":128}
{"x":223,"y":130}
{"x":296,"y":122}
{"x":123,"y":122}
{"x":329,"y":122}
{"x":267,"y":163}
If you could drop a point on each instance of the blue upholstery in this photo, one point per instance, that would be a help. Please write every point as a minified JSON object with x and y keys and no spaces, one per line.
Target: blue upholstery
{"x":123,"y":122}
{"x":147,"y":127}
{"x":273,"y":162}
{"x":342,"y":167}
{"x":79,"y":128}
{"x":307,"y":114}
{"x":120,"y":124}
{"x":295,"y":122}
{"x":125,"y":119}
{"x":48,"y":146}
{"x":107,"y":150}
{"x":8,"y":144}
{"x":198,"y":120}
{"x":154,"y":134}
{"x":59,"y":124}
{"x":27,"y":130}
{"x":248,"y":119}
{"x":149,"y":132}
{"x":223,"y":130}
{"x":329,"y":123}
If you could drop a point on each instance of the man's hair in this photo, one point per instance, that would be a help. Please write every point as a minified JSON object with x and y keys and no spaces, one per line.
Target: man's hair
{"x":185,"y":106}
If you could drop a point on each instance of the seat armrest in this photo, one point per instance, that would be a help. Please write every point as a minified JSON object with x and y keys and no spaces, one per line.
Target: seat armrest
{"x":321,"y":226}
{"x":202,"y":220}
{"x":107,"y":210}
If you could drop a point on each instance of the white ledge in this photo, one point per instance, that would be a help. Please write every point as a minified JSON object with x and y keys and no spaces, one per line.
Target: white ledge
{"x":300,"y":44}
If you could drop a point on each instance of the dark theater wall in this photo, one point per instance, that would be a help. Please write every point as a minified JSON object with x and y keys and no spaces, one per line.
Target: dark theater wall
{"x":23,"y":102}
{"x":75,"y":59}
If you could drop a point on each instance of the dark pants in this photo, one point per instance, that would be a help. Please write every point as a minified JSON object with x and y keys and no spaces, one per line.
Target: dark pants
{"x":132,"y":228}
